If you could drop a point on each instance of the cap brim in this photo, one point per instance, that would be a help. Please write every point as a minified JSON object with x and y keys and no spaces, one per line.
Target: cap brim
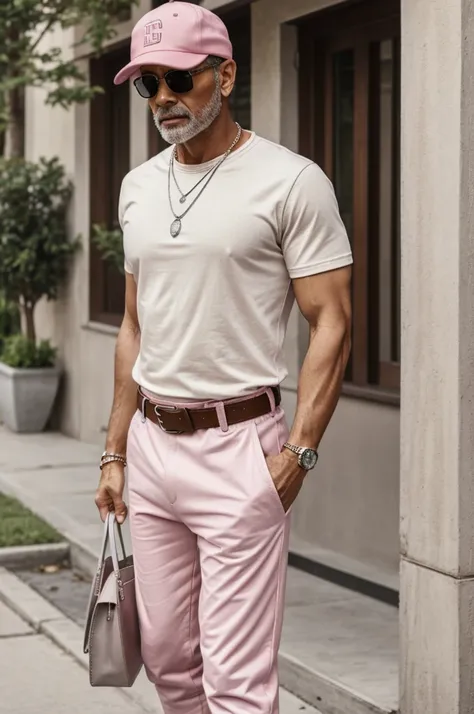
{"x":164,"y":58}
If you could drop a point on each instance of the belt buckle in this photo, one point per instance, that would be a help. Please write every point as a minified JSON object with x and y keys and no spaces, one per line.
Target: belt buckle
{"x":158,"y":409}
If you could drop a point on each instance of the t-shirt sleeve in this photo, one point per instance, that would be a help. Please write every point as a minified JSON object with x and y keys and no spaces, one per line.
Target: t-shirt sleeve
{"x":314,"y":239}
{"x":122,"y":205}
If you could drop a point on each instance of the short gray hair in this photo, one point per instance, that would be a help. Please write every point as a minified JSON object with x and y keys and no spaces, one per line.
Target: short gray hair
{"x":214,"y":61}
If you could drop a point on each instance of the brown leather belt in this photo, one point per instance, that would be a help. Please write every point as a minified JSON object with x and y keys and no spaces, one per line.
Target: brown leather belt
{"x":179,"y":420}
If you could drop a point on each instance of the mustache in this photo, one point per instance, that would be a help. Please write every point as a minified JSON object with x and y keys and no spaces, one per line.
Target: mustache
{"x":171,"y":113}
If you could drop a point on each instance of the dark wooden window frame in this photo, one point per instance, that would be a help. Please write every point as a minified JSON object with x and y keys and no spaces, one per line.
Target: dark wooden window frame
{"x":357,"y":26}
{"x":106,"y":173}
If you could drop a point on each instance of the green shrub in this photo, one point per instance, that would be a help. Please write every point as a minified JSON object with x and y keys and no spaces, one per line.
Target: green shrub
{"x":35,"y":247}
{"x":22,"y":353}
{"x":110,"y":245}
{"x":9,"y":319}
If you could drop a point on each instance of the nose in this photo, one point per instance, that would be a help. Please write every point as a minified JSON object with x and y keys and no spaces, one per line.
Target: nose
{"x":164,"y":96}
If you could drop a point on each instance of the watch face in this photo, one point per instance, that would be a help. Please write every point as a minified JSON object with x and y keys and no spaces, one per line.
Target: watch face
{"x":309,"y":459}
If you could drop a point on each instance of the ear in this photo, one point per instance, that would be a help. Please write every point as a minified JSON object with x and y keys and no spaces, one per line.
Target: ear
{"x":228,"y":73}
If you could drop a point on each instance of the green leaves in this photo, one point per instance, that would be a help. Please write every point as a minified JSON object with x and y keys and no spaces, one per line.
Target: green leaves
{"x":35,"y":249}
{"x":29,"y":56}
{"x":21,"y":353}
{"x":10,"y":323}
{"x":110,"y":244}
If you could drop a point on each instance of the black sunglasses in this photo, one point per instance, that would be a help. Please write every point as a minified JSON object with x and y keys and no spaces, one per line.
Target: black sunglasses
{"x":179,"y":81}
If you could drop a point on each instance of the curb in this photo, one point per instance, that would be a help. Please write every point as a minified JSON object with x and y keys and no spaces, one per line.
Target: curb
{"x":28,"y":557}
{"x":47,"y":620}
{"x":82,"y":559}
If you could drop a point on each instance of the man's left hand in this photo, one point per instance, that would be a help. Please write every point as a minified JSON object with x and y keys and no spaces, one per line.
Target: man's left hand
{"x":287,"y":476}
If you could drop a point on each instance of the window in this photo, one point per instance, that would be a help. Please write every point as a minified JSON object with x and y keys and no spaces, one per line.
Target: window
{"x":350,"y":125}
{"x":239,"y":27}
{"x":109,"y":162}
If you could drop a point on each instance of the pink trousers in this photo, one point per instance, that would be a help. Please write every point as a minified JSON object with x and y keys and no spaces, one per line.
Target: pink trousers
{"x":210,"y":542}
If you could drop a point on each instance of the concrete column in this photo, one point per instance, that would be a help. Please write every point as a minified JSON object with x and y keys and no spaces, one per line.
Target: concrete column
{"x":437,"y":415}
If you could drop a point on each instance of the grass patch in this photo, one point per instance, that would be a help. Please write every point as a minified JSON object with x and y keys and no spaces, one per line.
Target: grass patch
{"x":19,"y":526}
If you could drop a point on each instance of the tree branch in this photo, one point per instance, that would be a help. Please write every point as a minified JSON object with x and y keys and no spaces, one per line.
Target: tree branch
{"x":44,"y":32}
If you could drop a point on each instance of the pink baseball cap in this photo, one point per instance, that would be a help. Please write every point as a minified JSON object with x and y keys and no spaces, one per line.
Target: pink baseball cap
{"x":178,"y":35}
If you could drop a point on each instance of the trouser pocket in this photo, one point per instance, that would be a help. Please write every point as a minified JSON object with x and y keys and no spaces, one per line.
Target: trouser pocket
{"x":268,"y":436}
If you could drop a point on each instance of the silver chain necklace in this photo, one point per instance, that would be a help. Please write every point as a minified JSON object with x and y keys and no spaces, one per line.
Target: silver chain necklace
{"x":175,"y":228}
{"x":184,"y":196}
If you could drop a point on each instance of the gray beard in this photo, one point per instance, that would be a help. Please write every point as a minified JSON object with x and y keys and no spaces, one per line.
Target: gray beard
{"x":196,"y":124}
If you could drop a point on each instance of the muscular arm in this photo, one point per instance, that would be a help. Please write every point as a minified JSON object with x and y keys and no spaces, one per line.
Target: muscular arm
{"x":109,"y":496}
{"x":125,"y":392}
{"x":324,"y":301}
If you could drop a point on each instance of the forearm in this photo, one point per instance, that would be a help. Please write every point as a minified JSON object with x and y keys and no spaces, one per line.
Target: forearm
{"x":320,"y":383}
{"x":125,"y":391}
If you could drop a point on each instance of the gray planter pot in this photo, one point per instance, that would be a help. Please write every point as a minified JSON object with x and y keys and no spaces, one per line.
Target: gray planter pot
{"x":27,"y":397}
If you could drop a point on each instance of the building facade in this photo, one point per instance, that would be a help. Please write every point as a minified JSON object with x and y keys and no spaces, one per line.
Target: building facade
{"x":322,"y":78}
{"x":381,"y":95}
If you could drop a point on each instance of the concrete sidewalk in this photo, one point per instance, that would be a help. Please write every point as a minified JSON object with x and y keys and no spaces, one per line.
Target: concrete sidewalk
{"x":339,"y":649}
{"x":36,"y":677}
{"x":43,"y":639}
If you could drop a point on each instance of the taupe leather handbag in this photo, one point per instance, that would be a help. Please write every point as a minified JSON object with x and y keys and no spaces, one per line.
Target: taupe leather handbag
{"x":112,"y":634}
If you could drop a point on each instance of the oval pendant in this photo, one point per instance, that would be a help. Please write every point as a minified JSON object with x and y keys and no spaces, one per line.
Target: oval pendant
{"x":182,"y":199}
{"x":175,"y":229}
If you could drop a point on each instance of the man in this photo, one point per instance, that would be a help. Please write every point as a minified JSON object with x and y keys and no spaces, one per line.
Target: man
{"x":221,"y":232}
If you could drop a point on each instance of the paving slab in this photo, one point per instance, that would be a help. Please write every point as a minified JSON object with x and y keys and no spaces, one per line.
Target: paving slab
{"x":339,"y":636}
{"x":63,"y":589}
{"x":12,"y":624}
{"x":36,"y":677}
{"x":25,"y":601}
{"x":31,"y":451}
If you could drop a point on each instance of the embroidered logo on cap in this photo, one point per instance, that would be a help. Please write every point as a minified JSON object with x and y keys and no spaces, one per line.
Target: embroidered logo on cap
{"x":152,"y":33}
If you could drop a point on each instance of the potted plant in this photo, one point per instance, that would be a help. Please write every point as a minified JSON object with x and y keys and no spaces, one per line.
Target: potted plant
{"x":35,"y":252}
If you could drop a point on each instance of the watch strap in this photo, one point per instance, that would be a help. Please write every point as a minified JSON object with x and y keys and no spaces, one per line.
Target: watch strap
{"x":298,"y":450}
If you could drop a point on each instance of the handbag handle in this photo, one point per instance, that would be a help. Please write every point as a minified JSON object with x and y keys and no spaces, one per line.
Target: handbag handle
{"x":112,"y":522}
{"x":109,"y":531}
{"x":110,"y":528}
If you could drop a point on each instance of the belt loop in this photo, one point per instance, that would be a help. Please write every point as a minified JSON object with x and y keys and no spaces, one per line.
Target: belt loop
{"x":221,"y":415}
{"x":143,"y":408}
{"x":271,"y":399}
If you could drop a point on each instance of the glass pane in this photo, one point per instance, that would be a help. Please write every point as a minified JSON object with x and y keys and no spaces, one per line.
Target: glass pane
{"x":389,"y":222}
{"x":343,"y":145}
{"x":240,"y":100}
{"x":343,"y":135}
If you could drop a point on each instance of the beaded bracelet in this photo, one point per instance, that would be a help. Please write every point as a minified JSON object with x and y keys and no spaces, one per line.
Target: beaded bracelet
{"x":109,"y":458}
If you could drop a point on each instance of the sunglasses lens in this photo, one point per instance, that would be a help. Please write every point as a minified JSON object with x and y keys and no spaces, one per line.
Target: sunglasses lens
{"x":147,"y":85}
{"x":179,"y":81}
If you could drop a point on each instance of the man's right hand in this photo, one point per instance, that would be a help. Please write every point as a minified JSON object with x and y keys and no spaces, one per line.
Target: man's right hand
{"x":109,"y":496}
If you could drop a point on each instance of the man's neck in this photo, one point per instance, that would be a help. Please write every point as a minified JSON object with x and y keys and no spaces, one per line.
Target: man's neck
{"x":211,"y":143}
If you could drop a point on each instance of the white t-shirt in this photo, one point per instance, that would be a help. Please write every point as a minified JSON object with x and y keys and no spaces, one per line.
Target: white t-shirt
{"x":214,"y":303}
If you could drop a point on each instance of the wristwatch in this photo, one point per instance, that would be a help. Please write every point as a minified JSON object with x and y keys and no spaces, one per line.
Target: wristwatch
{"x":308,"y":458}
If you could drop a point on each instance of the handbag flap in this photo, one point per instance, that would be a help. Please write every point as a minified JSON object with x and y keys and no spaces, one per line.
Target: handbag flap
{"x":108,"y":593}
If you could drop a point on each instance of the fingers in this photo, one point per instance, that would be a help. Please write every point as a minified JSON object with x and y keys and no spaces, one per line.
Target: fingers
{"x":103,"y":503}
{"x":290,"y":491}
{"x":110,"y":502}
{"x":109,"y":497}
{"x":119,"y":508}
